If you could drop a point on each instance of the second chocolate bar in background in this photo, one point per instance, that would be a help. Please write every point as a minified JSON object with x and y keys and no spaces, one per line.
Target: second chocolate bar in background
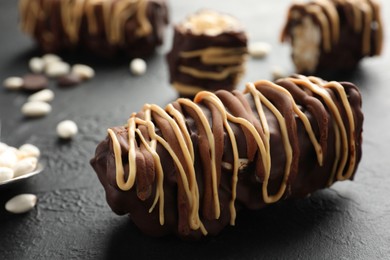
{"x":208,"y":53}
{"x":333,"y":35}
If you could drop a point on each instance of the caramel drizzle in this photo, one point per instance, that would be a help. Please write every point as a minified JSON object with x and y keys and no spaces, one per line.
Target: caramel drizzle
{"x":30,"y":13}
{"x":115,"y":15}
{"x":345,"y":146}
{"x":364,"y":13}
{"x":185,"y":89}
{"x":346,"y":149}
{"x":220,"y":75}
{"x":331,"y":12}
{"x":316,"y":10}
{"x":217,"y":55}
{"x":231,"y":58}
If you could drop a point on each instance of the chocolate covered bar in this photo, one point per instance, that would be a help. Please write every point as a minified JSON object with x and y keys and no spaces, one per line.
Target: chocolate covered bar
{"x":108,"y":28}
{"x":208,"y":53}
{"x":333,"y":35}
{"x":190,"y":168}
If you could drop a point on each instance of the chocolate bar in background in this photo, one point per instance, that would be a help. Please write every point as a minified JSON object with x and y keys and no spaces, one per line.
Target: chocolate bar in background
{"x":106,"y":28}
{"x":208,"y":53}
{"x":188,"y":169}
{"x":333,"y":35}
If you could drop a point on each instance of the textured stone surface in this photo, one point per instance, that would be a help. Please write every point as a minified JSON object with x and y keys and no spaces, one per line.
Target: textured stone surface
{"x":72,"y":220}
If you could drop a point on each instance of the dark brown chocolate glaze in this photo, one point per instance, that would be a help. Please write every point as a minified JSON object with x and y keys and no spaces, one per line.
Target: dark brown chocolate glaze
{"x":355,"y":32}
{"x":305,"y":175}
{"x":185,"y":40}
{"x":43,"y":20}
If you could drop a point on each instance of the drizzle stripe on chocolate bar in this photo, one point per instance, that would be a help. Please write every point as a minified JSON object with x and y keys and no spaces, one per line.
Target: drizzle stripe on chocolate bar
{"x":115,"y":15}
{"x":320,"y":87}
{"x":186,"y":89}
{"x":284,"y":105}
{"x":224,"y":73}
{"x":217,"y":55}
{"x":232,"y":60}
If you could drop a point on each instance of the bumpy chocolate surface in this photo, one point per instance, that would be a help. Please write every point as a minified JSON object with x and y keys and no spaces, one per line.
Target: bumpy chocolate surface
{"x":208,"y":53}
{"x":106,"y":27}
{"x":189,"y":168}
{"x":333,"y":35}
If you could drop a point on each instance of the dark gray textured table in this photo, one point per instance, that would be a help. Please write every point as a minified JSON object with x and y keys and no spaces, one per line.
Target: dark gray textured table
{"x":351,"y":220}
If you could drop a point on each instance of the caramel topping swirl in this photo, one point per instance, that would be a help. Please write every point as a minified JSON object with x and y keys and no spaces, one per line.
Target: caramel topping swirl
{"x":308,"y":100}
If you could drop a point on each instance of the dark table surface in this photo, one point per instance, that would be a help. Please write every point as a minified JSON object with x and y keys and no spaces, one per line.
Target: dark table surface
{"x":351,"y":220}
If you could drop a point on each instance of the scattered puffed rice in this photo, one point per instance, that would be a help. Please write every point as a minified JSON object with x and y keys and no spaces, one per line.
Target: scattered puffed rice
{"x":16,"y":162}
{"x":3,"y":147}
{"x":45,"y":95}
{"x":84,"y":71}
{"x":259,"y":50}
{"x":8,"y":158}
{"x":36,"y":109}
{"x":49,"y":58}
{"x":21,"y":203}
{"x":278,"y":72}
{"x":138,"y":67}
{"x":25,"y":166}
{"x":36,"y":64}
{"x":30,"y":150}
{"x":67,"y":129}
{"x":6,"y":174}
{"x":57,"y":69}
{"x":13,"y":83}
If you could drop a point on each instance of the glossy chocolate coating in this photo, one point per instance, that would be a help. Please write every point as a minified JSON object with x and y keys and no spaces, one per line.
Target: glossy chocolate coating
{"x":305,"y":176}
